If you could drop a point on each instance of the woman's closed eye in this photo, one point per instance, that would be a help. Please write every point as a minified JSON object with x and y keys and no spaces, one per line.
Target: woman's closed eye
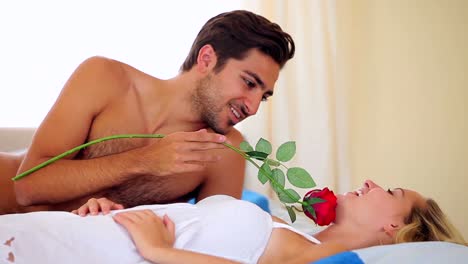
{"x":389,"y":191}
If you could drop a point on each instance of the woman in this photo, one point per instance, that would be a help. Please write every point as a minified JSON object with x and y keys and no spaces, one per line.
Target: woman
{"x":220,"y":229}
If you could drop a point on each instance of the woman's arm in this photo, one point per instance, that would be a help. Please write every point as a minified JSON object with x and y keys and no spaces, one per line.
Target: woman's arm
{"x":154,"y":238}
{"x":173,"y":255}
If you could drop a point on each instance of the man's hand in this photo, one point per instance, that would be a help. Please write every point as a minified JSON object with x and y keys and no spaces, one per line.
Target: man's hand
{"x":182,"y":152}
{"x":94,"y":206}
{"x":148,"y":231}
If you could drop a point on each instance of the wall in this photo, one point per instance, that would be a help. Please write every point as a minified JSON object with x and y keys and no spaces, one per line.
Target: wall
{"x":404,"y":67}
{"x":15,"y":139}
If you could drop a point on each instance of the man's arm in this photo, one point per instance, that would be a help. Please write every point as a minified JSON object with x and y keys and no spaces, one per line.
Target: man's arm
{"x":93,"y":85}
{"x":227,"y":175}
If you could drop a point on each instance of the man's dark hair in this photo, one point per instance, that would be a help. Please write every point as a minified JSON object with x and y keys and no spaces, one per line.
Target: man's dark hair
{"x":233,"y":34}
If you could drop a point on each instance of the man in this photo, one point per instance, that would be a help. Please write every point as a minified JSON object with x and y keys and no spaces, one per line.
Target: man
{"x":232,"y":66}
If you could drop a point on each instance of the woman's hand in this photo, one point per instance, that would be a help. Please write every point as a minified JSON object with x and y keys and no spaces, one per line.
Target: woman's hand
{"x":94,"y":206}
{"x":148,"y":231}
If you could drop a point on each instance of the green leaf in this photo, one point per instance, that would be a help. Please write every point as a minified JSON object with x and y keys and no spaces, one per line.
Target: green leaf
{"x":300,"y":178}
{"x":311,"y":210}
{"x":261,"y":175}
{"x":245,"y":146}
{"x":286,"y":199}
{"x":278,"y":176}
{"x":257,"y":155}
{"x":291,"y":213}
{"x":263,"y":146}
{"x":286,"y":151}
{"x":315,"y":200}
{"x":273,"y":163}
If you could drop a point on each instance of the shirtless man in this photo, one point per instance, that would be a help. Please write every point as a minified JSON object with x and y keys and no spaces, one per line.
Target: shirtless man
{"x":232,"y":66}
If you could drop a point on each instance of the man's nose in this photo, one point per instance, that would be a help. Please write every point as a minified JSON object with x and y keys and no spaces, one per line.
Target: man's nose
{"x":253,"y":104}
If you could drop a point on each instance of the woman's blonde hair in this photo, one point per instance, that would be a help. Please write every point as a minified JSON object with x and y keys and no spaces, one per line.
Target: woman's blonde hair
{"x":428,"y":224}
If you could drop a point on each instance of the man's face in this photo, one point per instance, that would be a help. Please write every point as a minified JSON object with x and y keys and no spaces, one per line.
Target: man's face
{"x":224,"y":99}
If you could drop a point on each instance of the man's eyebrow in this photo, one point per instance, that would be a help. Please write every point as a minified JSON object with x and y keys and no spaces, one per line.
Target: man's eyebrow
{"x":259,"y":81}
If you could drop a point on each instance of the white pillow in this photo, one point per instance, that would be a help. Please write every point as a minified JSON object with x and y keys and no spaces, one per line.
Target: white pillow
{"x":416,"y":252}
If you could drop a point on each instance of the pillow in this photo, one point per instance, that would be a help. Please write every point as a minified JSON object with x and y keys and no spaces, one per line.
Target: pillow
{"x":416,"y":252}
{"x":347,"y":257}
{"x":256,"y":198}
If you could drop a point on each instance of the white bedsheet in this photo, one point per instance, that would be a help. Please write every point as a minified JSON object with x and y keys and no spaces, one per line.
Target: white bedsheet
{"x":38,"y":237}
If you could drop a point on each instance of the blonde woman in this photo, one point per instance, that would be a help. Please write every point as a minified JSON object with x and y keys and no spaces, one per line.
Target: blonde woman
{"x":220,"y":229}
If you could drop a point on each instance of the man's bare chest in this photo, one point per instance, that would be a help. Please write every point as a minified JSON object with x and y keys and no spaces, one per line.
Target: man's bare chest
{"x":138,"y":189}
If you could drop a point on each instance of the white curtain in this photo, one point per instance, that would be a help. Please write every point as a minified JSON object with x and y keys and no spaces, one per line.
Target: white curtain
{"x":306,"y":107}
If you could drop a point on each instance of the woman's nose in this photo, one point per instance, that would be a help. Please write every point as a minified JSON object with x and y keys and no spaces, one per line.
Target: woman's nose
{"x":370,"y":184}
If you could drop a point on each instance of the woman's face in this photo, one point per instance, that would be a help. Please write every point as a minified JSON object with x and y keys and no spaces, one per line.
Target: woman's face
{"x":373,"y":207}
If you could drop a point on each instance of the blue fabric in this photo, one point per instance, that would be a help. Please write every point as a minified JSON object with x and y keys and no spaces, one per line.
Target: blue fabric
{"x":257,"y":198}
{"x":346,"y":257}
{"x":254,"y":197}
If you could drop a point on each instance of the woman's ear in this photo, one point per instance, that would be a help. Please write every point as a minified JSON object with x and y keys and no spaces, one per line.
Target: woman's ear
{"x":206,"y":59}
{"x":391,"y":229}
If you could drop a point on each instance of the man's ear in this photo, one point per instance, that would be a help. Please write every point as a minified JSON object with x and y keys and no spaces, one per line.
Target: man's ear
{"x":206,"y":59}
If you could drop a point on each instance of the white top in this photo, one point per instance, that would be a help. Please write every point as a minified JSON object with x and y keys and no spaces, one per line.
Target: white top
{"x":218,"y":225}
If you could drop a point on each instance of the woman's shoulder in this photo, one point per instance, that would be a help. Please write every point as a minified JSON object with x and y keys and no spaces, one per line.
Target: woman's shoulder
{"x":278,"y":220}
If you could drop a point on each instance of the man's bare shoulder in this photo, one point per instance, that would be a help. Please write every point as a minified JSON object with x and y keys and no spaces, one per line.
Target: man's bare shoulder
{"x":114,"y":66}
{"x":102,"y":64}
{"x":111,"y":69}
{"x":235,"y":137}
{"x":103,"y":67}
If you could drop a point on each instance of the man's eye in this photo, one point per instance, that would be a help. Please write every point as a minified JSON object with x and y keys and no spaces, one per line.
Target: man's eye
{"x":249,"y":83}
{"x":264,"y":98}
{"x":390,"y":191}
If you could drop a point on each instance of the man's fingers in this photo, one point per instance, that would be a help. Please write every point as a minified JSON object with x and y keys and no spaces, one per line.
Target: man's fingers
{"x":203,"y":145}
{"x":105,"y":207}
{"x":203,"y":136}
{"x":117,"y":206}
{"x":201,"y":156}
{"x":83,"y":210}
{"x":93,"y":206}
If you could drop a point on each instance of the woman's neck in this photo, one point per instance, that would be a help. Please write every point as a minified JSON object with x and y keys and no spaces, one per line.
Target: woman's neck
{"x":350,"y":237}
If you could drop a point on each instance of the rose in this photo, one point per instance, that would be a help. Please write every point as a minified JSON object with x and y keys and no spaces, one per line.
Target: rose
{"x":321,"y":206}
